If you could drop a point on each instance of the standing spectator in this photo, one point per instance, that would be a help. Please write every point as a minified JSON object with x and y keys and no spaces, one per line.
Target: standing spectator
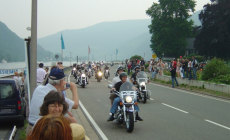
{"x":142,"y":62}
{"x":16,"y":77}
{"x":194,"y":67}
{"x":189,"y":70}
{"x":153,"y":71}
{"x":129,"y":67}
{"x":41,"y":74}
{"x":173,"y":73}
{"x":60,"y":65}
{"x":178,"y":68}
{"x":185,"y":67}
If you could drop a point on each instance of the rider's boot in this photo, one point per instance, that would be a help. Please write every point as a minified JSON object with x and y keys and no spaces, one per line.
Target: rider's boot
{"x":111,"y":117}
{"x":138,"y":117}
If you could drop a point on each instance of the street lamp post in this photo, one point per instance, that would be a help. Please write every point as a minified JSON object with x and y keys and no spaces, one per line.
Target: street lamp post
{"x":33,"y":50}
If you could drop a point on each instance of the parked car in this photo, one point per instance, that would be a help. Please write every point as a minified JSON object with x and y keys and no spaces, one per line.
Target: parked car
{"x":12,"y":102}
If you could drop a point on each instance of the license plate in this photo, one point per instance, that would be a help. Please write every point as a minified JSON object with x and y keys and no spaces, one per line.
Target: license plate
{"x":130,"y":109}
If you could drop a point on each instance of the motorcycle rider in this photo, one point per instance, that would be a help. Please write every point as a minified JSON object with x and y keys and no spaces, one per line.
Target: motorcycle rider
{"x":78,"y":73}
{"x":134,"y":75}
{"x":106,"y":68}
{"x":123,"y":76}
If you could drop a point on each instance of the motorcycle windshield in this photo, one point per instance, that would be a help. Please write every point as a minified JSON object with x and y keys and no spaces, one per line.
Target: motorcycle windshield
{"x":127,"y":86}
{"x":142,"y":77}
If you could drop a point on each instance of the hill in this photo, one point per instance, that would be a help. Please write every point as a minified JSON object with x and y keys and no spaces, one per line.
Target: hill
{"x":130,"y":37}
{"x":13,"y":47}
{"x":103,"y":39}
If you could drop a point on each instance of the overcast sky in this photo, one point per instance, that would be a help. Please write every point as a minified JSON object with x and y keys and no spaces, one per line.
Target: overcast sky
{"x":58,"y":15}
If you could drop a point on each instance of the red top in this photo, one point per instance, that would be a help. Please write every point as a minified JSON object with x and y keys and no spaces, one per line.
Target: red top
{"x":174,"y":64}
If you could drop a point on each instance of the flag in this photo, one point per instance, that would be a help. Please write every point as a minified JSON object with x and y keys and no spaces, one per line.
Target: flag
{"x":116,"y":51}
{"x":88,"y":50}
{"x":62,"y":43}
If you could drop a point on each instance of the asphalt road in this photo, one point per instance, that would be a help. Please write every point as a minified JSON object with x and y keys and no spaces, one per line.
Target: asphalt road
{"x":6,"y":128}
{"x":172,"y":114}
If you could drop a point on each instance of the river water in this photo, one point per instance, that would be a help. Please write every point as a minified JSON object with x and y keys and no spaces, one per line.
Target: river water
{"x":10,"y":68}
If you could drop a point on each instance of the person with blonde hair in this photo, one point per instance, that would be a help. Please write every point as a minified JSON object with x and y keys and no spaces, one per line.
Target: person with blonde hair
{"x":51,"y":128}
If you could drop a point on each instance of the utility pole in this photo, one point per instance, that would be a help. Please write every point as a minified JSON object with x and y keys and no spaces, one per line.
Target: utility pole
{"x":33,"y":50}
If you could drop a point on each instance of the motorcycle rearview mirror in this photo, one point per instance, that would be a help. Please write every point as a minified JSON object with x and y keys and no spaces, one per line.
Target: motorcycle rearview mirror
{"x":110,"y":86}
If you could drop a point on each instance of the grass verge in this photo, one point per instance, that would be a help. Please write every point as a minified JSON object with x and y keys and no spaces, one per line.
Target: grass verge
{"x":196,"y":89}
{"x":22,"y":132}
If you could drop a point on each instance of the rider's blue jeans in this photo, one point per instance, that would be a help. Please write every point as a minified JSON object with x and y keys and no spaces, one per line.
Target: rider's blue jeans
{"x":116,"y":101}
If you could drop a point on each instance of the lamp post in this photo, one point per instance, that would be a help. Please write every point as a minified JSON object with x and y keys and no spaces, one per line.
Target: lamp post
{"x":33,"y":48}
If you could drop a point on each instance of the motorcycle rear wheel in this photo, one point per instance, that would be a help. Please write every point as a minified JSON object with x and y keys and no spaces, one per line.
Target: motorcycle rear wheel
{"x":129,"y":122}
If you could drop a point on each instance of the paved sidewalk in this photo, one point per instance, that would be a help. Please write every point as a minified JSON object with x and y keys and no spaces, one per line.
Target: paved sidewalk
{"x":81,"y":119}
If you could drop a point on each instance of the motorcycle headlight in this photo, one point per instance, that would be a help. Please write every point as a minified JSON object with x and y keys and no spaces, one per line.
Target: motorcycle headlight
{"x":142,"y":84}
{"x":74,"y":69}
{"x":128,"y":99}
{"x":83,"y":75}
{"x":99,"y":73}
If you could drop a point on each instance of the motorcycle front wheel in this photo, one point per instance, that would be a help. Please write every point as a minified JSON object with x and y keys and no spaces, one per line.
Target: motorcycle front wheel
{"x":129,"y":122}
{"x":144,"y":97}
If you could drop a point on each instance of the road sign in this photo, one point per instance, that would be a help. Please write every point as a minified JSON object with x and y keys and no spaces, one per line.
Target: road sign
{"x":154,"y":56}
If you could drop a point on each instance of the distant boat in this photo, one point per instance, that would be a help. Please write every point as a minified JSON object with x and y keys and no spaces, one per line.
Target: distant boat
{"x":4,"y":61}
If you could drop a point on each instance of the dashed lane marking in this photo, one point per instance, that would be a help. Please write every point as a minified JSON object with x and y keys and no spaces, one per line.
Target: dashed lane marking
{"x":174,"y":108}
{"x":220,"y":125}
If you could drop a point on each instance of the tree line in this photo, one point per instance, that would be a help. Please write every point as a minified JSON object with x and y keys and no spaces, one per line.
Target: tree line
{"x":170,"y":28}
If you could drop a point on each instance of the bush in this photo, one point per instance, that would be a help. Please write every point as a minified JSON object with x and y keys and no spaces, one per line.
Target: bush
{"x":146,"y":66}
{"x":215,"y":69}
{"x":225,"y":79}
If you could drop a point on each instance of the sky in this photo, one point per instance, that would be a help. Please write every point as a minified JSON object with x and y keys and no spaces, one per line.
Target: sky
{"x":58,"y":15}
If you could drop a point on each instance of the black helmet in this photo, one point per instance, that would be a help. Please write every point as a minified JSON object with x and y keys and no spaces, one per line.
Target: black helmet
{"x":120,"y":68}
{"x":123,"y":74}
{"x":137,"y":67}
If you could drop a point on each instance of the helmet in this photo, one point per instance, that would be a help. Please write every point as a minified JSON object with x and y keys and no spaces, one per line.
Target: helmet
{"x":120,"y":68}
{"x":137,"y":67}
{"x":123,"y":74}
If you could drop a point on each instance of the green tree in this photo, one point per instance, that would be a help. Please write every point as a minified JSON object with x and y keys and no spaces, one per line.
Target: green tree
{"x":135,"y":57}
{"x":213,"y":39}
{"x":170,"y":26}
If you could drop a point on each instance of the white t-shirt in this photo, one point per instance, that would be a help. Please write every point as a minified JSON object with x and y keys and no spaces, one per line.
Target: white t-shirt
{"x":41,"y":74}
{"x":37,"y":100}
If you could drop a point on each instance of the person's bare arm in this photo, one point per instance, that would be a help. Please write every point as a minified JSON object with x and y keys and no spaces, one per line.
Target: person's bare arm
{"x":75,"y":98}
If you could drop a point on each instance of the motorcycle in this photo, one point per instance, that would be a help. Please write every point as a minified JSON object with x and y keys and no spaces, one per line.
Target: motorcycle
{"x":83,"y":81}
{"x":99,"y":76}
{"x":142,"y":80}
{"x":106,"y":74}
{"x":125,"y":113}
{"x":73,"y":72}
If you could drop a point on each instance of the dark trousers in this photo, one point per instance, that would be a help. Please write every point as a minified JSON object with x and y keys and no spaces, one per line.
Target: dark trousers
{"x":174,"y":80}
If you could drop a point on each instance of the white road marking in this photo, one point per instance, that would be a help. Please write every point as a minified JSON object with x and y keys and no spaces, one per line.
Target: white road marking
{"x":175,"y":108}
{"x":197,"y":94}
{"x":151,"y":99}
{"x":218,"y":124}
{"x":93,"y":123}
{"x":69,"y":78}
